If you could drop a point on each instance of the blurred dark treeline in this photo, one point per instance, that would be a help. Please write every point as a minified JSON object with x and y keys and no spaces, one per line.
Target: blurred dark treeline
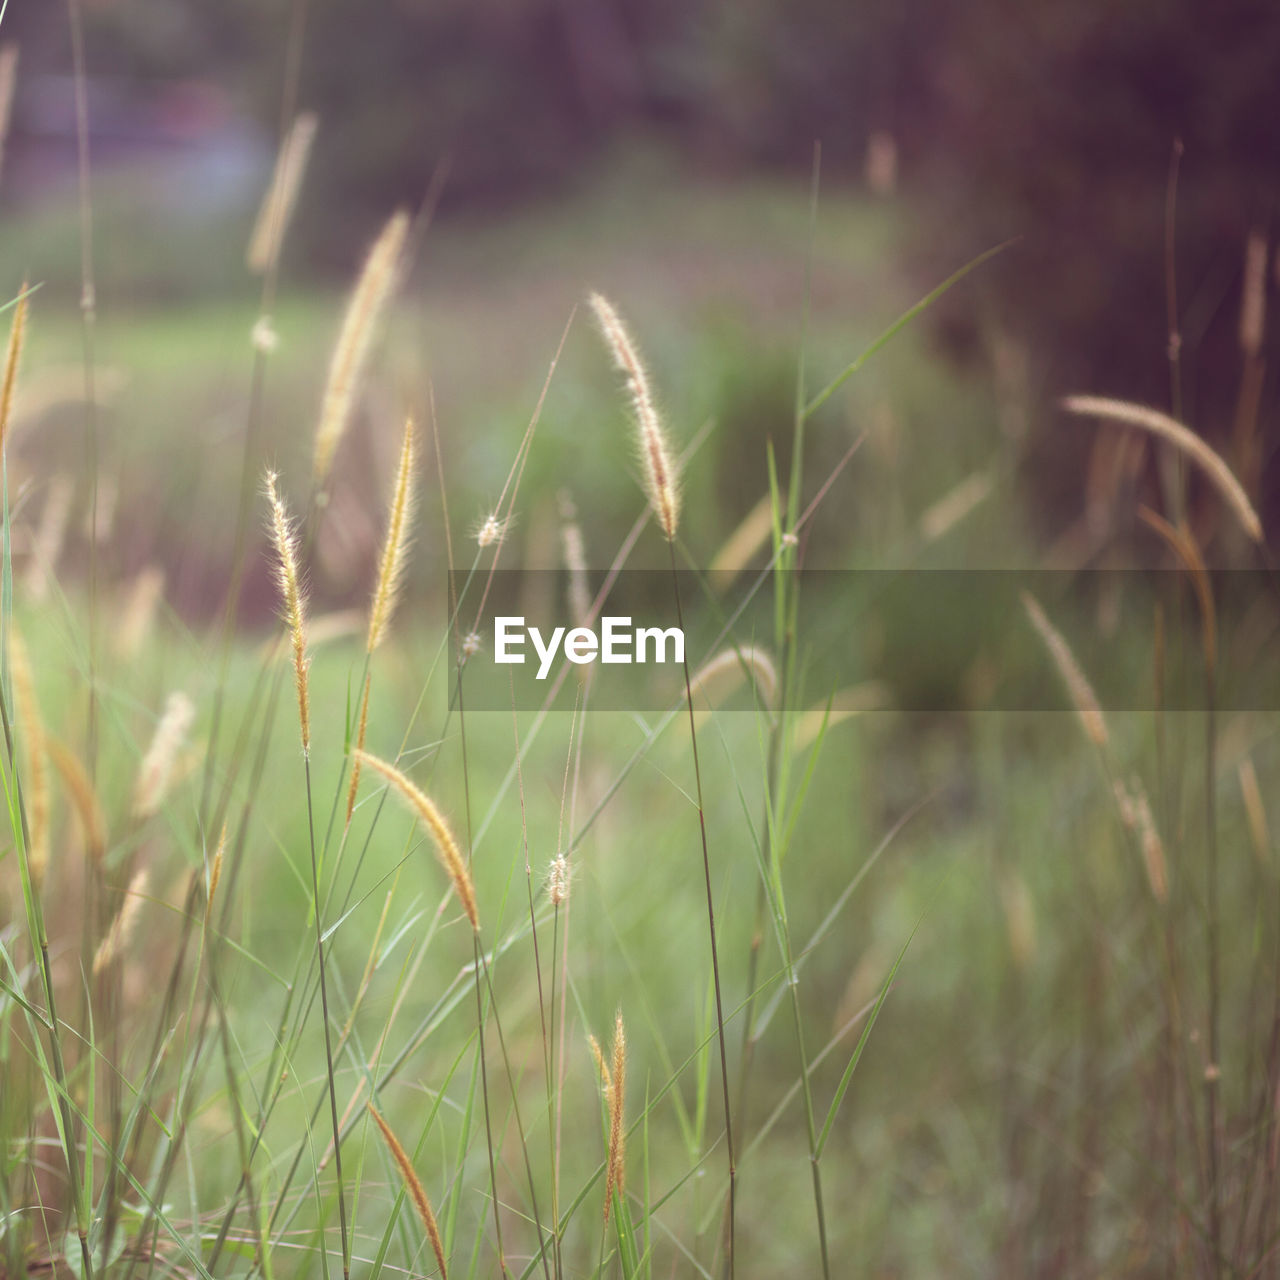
{"x":1050,"y":120}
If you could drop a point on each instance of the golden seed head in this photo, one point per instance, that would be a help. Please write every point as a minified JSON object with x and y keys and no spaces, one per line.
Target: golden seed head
{"x":76,"y":780}
{"x":355,"y":340}
{"x":391,"y":563}
{"x":158,"y":764}
{"x":294,"y":605}
{"x":447,"y":850}
{"x":1181,"y":438}
{"x":112,"y":948}
{"x":413,"y":1185}
{"x":1078,"y":688}
{"x":17,"y":336}
{"x":36,"y":783}
{"x":615,"y":1177}
{"x":281,"y":198}
{"x":721,"y":675}
{"x":660,"y":472}
{"x":1253,"y":298}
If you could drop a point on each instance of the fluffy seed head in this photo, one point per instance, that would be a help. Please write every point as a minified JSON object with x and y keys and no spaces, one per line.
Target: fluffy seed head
{"x":36,"y":788}
{"x":413,"y":1185}
{"x":83,"y":797}
{"x":372,"y":292}
{"x":8,"y":80}
{"x":391,"y":563}
{"x":1253,"y":298}
{"x":729,"y":668}
{"x":575,"y":560}
{"x":17,"y":335}
{"x":615,"y":1179}
{"x":660,"y":474}
{"x":294,"y":607}
{"x":1181,"y":438}
{"x":558,"y":880}
{"x":158,"y":764}
{"x":492,"y":530}
{"x":1078,"y":688}
{"x":116,"y":943}
{"x":282,"y":195}
{"x":446,"y":846}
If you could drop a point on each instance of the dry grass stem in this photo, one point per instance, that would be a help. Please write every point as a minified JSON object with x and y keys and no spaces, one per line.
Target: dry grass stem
{"x":294,"y":606}
{"x":281,"y":198}
{"x":446,"y":846}
{"x":36,"y":788}
{"x":76,"y":780}
{"x":413,"y":1186}
{"x":157,"y":771}
{"x":113,"y":947}
{"x":1181,"y":438}
{"x":1078,"y":688}
{"x":660,"y":474}
{"x":355,"y":340}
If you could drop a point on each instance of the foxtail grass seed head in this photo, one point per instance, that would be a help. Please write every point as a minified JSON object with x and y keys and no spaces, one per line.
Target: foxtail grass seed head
{"x":158,"y":765}
{"x":955,"y":505}
{"x":729,"y":668}
{"x":281,"y":198}
{"x":391,"y":564}
{"x":491,"y":531}
{"x":83,"y":797}
{"x":1019,"y":918}
{"x":575,"y":559}
{"x":615,"y":1181}
{"x":8,"y":82}
{"x":138,"y":616}
{"x":447,"y":850}
{"x":263,"y":336}
{"x":1181,"y":438}
{"x":46,"y":545}
{"x":13,"y":356}
{"x":558,"y":880}
{"x":660,"y":475}
{"x":602,"y":1066}
{"x":215,"y":871}
{"x":1253,"y":295}
{"x":373,"y":290}
{"x":1153,"y":858}
{"x":1255,"y":811}
{"x":743,"y":544}
{"x":36,"y":783}
{"x":294,"y":605}
{"x":112,"y":948}
{"x":413,"y":1185}
{"x":1078,"y":688}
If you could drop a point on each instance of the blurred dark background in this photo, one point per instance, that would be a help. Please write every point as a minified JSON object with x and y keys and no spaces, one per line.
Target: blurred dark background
{"x":1052,"y":122}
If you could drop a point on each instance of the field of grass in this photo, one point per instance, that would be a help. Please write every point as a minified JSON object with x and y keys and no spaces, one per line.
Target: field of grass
{"x":1063,"y":1018}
